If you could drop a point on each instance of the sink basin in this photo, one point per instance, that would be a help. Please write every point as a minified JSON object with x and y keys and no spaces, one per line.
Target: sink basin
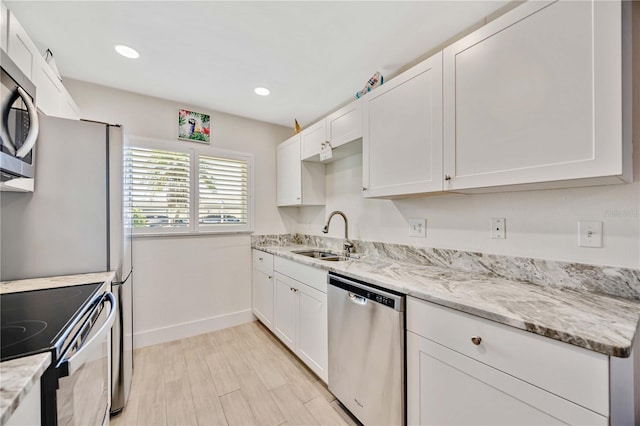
{"x":322,"y":255}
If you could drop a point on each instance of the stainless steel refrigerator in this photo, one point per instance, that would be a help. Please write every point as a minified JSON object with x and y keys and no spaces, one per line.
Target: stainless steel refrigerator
{"x":74,"y":222}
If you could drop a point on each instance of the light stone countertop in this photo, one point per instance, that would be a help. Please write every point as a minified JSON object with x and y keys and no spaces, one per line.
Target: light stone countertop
{"x":597,"y":322}
{"x":18,"y":376}
{"x":54,"y":282}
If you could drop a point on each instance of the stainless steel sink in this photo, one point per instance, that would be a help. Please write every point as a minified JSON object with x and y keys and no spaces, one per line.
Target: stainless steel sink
{"x":322,"y":255}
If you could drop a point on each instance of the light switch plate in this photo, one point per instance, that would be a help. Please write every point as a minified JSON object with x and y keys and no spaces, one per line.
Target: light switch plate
{"x":498,"y":225}
{"x":589,"y":233}
{"x":417,"y":227}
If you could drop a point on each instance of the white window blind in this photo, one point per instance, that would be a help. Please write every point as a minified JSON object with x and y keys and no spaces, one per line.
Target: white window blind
{"x":223,"y":191}
{"x":159,"y":187}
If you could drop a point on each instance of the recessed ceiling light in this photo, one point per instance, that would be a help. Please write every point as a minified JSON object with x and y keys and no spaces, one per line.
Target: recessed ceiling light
{"x":262,"y":91}
{"x":127,"y":52}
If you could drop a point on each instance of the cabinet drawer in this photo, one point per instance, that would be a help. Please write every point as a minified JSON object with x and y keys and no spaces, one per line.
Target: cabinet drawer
{"x":316,"y":278}
{"x":577,"y":374}
{"x":263,"y":261}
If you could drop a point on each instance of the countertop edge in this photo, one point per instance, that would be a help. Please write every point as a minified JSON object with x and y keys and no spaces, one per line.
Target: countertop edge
{"x":620,"y":351}
{"x":28,"y":371}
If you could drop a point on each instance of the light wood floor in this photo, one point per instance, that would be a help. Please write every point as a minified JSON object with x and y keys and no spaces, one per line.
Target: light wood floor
{"x":238,"y":376}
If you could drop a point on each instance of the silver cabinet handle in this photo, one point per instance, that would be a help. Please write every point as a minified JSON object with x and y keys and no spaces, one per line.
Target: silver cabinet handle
{"x":364,"y":188}
{"x":476,"y":340}
{"x":260,"y":259}
{"x":269,"y":277}
{"x":293,"y":289}
{"x":447,"y":177}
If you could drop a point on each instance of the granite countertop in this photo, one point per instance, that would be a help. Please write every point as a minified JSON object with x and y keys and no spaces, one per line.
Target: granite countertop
{"x":18,"y":376}
{"x":590,"y":320}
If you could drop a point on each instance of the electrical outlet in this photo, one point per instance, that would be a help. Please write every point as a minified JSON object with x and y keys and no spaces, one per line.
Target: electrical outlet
{"x":498,"y":228}
{"x":589,"y":234}
{"x":417,"y":227}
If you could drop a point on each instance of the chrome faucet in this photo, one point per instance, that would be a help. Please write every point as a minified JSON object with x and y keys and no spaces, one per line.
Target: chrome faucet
{"x":348,"y":245}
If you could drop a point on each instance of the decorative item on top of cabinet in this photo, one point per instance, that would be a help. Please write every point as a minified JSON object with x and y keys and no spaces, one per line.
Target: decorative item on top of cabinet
{"x":298,"y":182}
{"x":540,"y":98}
{"x":402,"y":133}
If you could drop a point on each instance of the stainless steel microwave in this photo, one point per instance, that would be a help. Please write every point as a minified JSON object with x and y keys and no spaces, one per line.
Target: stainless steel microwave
{"x":18,"y":122}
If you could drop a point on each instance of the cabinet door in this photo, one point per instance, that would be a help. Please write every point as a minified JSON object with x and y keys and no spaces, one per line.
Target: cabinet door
{"x":345,"y":125}
{"x":68,"y":108}
{"x":447,"y":388}
{"x":289,"y":172}
{"x":402,"y":135}
{"x":49,"y":89}
{"x":312,"y":138}
{"x":4,"y":22}
{"x":312,"y":339}
{"x":21,"y":49}
{"x":286,"y":310}
{"x":536,"y":96}
{"x":263,"y":297}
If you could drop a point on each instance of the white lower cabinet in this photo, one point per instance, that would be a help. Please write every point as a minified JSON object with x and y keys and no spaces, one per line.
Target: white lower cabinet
{"x":510,"y":377}
{"x":290,"y":299}
{"x":286,"y":310}
{"x":300,"y":321}
{"x":262,"y":287}
{"x":300,"y":312}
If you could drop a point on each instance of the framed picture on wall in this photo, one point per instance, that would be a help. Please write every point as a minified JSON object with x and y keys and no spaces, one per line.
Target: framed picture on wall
{"x":194,"y":126}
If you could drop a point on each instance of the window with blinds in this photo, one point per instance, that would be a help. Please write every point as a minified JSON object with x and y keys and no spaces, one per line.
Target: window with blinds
{"x":159,"y":187}
{"x":187,"y":189}
{"x":223,"y":191}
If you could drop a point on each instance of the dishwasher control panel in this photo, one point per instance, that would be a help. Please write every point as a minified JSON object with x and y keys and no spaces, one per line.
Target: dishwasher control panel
{"x":389,"y":299}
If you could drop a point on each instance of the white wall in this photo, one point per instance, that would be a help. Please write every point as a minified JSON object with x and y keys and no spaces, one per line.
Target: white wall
{"x":190,"y":285}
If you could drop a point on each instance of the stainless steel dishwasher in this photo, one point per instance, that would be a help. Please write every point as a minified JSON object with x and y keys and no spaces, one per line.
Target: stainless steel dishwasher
{"x":366,"y":350}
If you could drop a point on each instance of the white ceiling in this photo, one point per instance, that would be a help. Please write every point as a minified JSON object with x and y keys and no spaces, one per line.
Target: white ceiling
{"x":313,"y":56}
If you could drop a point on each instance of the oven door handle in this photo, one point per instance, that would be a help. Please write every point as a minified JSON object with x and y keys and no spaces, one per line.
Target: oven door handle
{"x":34,"y":125}
{"x":68,"y":366}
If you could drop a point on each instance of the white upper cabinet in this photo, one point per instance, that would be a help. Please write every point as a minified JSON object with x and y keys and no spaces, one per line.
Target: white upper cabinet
{"x":312,"y":138}
{"x":298,"y":183}
{"x":49,"y":89}
{"x":20,"y":48}
{"x":537,"y":97}
{"x":52,"y":98}
{"x":402,"y":133}
{"x":345,"y":125}
{"x":338,"y":129}
{"x":4,"y":26}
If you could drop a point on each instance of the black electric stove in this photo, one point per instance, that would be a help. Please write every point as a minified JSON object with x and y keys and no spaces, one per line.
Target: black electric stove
{"x":41,"y":320}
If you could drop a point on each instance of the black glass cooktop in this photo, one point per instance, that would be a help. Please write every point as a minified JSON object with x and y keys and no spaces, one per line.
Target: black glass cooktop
{"x":35,"y":321}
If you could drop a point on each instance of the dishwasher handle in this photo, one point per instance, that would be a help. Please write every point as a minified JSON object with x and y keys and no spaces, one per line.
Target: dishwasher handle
{"x":358,"y":300}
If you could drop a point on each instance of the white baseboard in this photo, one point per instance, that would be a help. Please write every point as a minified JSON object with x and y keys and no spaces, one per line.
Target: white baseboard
{"x":192,"y":328}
